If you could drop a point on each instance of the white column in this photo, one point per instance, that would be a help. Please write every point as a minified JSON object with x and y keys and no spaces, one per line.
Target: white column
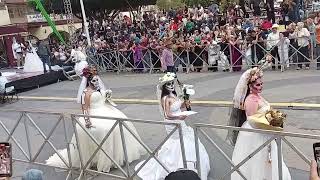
{"x":86,"y":29}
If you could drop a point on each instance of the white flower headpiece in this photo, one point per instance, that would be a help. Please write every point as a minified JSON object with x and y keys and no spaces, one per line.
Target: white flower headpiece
{"x":168,"y":77}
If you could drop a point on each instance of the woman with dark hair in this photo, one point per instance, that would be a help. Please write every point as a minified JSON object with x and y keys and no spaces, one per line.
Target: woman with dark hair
{"x":170,"y":153}
{"x":250,"y":109}
{"x":95,"y":103}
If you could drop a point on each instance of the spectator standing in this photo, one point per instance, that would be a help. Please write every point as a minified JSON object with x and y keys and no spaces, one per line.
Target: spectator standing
{"x":318,"y":44}
{"x":62,"y":57}
{"x":235,"y":53}
{"x":303,"y":36}
{"x":283,"y":50}
{"x":44,"y":54}
{"x":167,"y":62}
{"x":272,"y":44}
{"x":137,"y":57}
{"x":17,"y":49}
{"x":312,"y":29}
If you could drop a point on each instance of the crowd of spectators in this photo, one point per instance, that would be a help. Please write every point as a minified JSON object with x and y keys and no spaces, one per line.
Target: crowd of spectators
{"x":244,"y":36}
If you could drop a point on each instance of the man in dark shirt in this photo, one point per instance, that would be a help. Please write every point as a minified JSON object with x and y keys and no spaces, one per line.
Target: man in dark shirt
{"x":44,"y":54}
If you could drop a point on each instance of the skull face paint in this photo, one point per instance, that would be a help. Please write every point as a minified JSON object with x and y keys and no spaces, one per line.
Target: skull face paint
{"x":170,"y":86}
{"x":95,"y":82}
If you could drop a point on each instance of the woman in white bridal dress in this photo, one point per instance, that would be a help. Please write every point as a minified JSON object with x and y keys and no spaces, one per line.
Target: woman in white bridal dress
{"x":33,"y":62}
{"x":95,"y":105}
{"x":170,"y":152}
{"x":247,"y":99}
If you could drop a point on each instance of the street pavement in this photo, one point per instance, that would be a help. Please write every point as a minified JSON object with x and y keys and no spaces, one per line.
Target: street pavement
{"x":289,"y":86}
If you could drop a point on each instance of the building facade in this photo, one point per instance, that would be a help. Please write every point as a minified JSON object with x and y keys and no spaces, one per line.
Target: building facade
{"x":20,"y":20}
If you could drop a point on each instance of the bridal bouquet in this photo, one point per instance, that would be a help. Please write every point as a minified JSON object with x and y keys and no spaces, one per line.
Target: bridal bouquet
{"x":275,"y":118}
{"x":109,"y":97}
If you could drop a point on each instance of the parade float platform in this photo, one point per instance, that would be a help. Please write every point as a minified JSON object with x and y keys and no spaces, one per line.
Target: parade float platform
{"x":23,"y":81}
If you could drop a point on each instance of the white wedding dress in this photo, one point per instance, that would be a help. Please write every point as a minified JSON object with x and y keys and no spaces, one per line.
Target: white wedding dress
{"x":258,"y":167}
{"x":33,"y":62}
{"x":170,"y":153}
{"x":113,"y":145}
{"x":81,"y":61}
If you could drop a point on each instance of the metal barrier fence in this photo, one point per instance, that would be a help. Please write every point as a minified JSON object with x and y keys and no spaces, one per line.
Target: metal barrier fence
{"x":224,"y":56}
{"x":50,"y":129}
{"x":30,"y":150}
{"x":274,"y":135}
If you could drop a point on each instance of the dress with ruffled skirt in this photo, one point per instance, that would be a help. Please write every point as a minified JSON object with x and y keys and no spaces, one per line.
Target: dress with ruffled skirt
{"x":170,"y":153}
{"x":259,"y":166}
{"x":112,"y":146}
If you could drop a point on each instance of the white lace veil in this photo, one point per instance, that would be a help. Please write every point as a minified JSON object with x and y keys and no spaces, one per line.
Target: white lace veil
{"x":241,"y":90}
{"x":82,"y":87}
{"x":159,"y":91}
{"x":238,"y":115}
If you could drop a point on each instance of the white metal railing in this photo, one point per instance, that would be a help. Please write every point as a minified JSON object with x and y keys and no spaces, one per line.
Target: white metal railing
{"x":82,"y":172}
{"x":70,"y":124}
{"x":228,"y":56}
{"x":279,"y":137}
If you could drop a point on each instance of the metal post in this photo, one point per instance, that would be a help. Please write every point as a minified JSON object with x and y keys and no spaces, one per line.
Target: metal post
{"x":27,"y":137}
{"x":282,"y":55}
{"x":78,"y":145}
{"x":196,"y":140}
{"x":255,"y":58}
{"x":150,"y":61}
{"x":67,"y":142}
{"x":84,"y":17}
{"x":278,"y":141}
{"x":124,"y":147}
{"x":312,"y":50}
{"x":118,"y":59}
{"x":183,"y":152}
{"x":230,"y":59}
{"x":188,"y":62}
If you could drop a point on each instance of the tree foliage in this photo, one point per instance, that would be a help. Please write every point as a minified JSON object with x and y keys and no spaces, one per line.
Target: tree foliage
{"x":204,"y":3}
{"x":169,"y":4}
{"x":96,"y":6}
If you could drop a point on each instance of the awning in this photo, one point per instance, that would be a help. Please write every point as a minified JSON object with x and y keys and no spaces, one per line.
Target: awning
{"x":12,"y":30}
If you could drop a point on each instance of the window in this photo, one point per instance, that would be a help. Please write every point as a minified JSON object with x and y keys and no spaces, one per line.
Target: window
{"x":20,"y":12}
{"x":11,"y":13}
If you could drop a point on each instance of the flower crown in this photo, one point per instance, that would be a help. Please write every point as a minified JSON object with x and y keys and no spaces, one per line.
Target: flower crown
{"x":255,"y":74}
{"x":167,"y":77}
{"x":86,"y":72}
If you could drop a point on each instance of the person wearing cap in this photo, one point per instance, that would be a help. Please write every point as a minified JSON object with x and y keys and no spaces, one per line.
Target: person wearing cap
{"x":272,"y":44}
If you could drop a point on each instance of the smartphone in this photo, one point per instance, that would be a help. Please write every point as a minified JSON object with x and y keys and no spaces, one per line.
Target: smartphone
{"x":5,"y":159}
{"x":316,"y":151}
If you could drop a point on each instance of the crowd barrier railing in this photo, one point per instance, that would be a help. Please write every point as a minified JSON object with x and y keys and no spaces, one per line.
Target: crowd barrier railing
{"x":31,"y":155}
{"x":45,"y":125}
{"x":278,"y":137}
{"x":225,"y":56}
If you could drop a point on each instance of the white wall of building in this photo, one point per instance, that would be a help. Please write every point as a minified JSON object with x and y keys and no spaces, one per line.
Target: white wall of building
{"x":4,"y":15}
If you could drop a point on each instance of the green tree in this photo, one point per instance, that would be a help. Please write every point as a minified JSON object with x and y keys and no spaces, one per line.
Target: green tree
{"x":204,"y":3}
{"x":169,"y":4}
